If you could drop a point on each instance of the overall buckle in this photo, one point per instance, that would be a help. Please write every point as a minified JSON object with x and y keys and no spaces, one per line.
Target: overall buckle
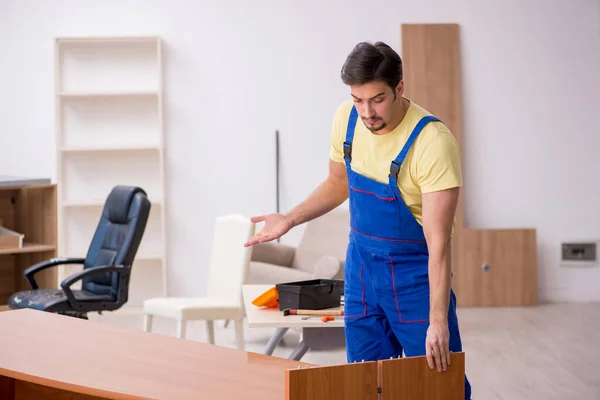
{"x":394,"y":170}
{"x":348,"y":150}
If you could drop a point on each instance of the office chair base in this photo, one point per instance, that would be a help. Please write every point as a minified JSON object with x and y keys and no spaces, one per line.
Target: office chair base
{"x":74,"y":314}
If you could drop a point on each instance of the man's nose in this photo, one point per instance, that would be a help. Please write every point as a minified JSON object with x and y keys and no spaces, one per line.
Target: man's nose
{"x":368,"y":111}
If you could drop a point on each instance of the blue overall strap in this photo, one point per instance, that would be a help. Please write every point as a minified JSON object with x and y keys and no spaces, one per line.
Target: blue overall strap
{"x":350,"y":133}
{"x":395,"y":167}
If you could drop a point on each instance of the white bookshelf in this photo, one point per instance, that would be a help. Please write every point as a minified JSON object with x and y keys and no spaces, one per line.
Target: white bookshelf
{"x":109,"y":131}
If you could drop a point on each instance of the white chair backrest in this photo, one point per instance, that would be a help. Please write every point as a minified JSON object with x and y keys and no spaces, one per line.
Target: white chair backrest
{"x":229,"y":259}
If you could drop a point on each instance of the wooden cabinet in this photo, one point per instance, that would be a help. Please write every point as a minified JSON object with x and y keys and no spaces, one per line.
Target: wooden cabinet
{"x":28,"y":209}
{"x":497,"y":268}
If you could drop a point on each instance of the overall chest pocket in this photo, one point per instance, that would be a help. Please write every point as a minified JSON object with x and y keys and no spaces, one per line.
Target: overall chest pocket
{"x":375,"y":214}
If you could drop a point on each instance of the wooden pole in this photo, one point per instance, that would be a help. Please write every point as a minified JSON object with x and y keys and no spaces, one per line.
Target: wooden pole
{"x":277,"y":199}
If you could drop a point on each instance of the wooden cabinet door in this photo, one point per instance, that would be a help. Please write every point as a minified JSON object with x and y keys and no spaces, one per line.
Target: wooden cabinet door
{"x":497,"y":268}
{"x":357,"y":381}
{"x":411,"y":378}
{"x":402,"y":378}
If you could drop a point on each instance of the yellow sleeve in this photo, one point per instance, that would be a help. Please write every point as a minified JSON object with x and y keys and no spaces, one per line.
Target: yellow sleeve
{"x":338,"y":134}
{"x":439,"y":164}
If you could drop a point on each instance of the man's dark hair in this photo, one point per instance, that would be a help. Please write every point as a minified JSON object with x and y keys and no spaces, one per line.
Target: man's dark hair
{"x":372,"y":62}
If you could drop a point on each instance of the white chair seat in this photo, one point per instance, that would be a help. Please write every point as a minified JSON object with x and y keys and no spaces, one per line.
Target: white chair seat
{"x":191,"y":308}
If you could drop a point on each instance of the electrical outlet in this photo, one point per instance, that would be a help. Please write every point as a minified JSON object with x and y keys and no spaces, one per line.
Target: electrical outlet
{"x":579,"y":252}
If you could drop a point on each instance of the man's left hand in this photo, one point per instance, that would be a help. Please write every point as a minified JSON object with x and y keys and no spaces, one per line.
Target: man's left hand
{"x":437,"y":347}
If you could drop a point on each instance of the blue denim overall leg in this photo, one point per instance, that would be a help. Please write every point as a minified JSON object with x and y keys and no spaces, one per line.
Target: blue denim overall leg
{"x":386,"y":271}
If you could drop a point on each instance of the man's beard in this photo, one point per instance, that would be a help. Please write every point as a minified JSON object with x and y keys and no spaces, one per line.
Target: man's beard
{"x":377,"y":127}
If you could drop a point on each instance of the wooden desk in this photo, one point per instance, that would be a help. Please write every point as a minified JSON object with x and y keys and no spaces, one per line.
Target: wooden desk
{"x":44,"y":355}
{"x":48,"y":356}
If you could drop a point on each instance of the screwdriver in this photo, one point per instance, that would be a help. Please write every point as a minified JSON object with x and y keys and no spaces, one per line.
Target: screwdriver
{"x":324,"y":318}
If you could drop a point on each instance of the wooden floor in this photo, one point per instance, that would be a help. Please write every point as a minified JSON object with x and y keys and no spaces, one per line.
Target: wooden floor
{"x":550,"y":352}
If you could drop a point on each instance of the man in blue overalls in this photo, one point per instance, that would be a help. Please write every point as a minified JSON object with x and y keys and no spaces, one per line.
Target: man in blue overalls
{"x":399,"y":166}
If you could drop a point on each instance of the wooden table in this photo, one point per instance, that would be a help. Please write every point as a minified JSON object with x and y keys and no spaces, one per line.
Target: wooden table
{"x":44,"y":355}
{"x":315,"y":333}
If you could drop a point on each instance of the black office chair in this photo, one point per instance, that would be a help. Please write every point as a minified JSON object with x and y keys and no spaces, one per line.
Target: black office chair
{"x":106,"y":267}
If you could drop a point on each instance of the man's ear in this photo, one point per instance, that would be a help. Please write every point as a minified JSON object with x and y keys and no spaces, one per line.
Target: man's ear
{"x":400,"y":89}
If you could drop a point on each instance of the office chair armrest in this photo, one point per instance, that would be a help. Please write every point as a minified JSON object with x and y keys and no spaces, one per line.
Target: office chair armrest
{"x":34,"y":269}
{"x":66,"y":284}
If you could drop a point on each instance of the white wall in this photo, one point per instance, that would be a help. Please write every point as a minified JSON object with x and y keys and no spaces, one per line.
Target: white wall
{"x":237,"y":70}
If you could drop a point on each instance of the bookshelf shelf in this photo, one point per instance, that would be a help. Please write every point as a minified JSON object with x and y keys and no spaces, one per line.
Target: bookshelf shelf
{"x":107,"y":95}
{"x":98,"y":204}
{"x":29,"y":248}
{"x":103,"y":149}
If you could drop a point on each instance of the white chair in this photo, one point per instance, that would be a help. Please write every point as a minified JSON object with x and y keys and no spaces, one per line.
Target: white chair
{"x":229,"y":265}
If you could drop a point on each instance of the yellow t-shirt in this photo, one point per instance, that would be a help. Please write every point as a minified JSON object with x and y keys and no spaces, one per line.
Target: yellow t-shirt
{"x":432,"y":163}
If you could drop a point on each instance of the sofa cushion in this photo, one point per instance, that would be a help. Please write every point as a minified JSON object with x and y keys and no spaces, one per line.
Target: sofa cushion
{"x":273,"y":253}
{"x":323,"y":236}
{"x":269,"y":274}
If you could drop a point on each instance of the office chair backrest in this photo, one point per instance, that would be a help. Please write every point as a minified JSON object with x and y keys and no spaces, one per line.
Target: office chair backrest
{"x":229,"y":259}
{"x":117,"y":237}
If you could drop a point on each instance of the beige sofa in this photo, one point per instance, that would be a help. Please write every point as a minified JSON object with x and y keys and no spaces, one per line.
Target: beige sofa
{"x":319,"y":255}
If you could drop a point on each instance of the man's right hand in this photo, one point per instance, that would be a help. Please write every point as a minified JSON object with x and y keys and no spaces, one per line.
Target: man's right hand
{"x":276,"y":225}
{"x":329,"y":194}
